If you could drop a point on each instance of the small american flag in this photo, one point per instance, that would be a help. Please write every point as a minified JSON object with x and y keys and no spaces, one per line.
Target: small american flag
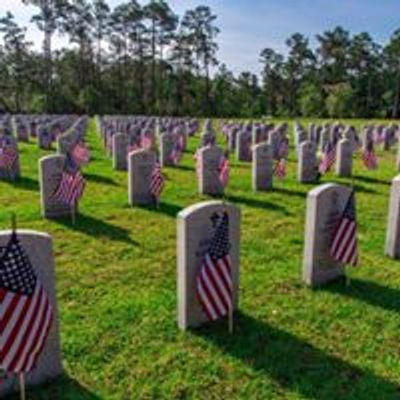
{"x":224,"y":171}
{"x":344,"y":243}
{"x":157,"y":181}
{"x":280,"y":169}
{"x":214,"y":280}
{"x":328,"y":158}
{"x":8,"y":156}
{"x":80,"y":154}
{"x":71,"y":186}
{"x":368,"y":156}
{"x":26,"y":313}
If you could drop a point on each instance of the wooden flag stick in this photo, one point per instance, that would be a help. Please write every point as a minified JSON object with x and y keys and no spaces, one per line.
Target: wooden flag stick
{"x":22,"y":385}
{"x":73,"y":208}
{"x":14,"y":223}
{"x":231,"y":320}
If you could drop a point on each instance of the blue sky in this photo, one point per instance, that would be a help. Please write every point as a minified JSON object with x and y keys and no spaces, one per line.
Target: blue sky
{"x":249,"y":26}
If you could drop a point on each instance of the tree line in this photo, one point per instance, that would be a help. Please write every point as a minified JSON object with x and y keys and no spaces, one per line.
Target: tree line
{"x":136,"y":59}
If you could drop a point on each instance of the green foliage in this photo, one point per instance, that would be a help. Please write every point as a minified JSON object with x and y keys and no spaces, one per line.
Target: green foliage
{"x":339,"y":100}
{"x":311,"y":100}
{"x":116,"y":290}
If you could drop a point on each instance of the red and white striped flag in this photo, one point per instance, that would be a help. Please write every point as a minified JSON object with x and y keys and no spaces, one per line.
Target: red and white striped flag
{"x":71,"y":186}
{"x":368,"y":156}
{"x":224,"y":171}
{"x":214,"y":280}
{"x":328,"y":158}
{"x":344,"y":246}
{"x":280,"y":169}
{"x":157,"y":181}
{"x":25,"y":311}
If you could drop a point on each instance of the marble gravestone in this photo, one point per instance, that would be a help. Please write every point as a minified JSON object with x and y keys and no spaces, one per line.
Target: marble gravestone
{"x":344,"y":162}
{"x":22,"y":132}
{"x":243,"y":146}
{"x":65,"y":142}
{"x":195,"y":228}
{"x":44,"y":139}
{"x":207,"y":138}
{"x":167,"y":144}
{"x":232,"y":138}
{"x":275,"y":138}
{"x":39,"y":248}
{"x":392,"y":247}
{"x":9,"y":142}
{"x":140,"y":167}
{"x":120,"y":151}
{"x":262,"y":167}
{"x":325,"y":205}
{"x":209,"y":159}
{"x":307,"y":163}
{"x":50,"y":173}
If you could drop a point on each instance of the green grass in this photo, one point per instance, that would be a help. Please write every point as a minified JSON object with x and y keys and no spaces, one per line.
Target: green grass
{"x":116,"y":285}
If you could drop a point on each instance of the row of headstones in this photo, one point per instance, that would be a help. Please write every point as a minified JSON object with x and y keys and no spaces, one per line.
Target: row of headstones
{"x":241,"y":138}
{"x":325,"y":205}
{"x":66,"y":142}
{"x":320,"y":135}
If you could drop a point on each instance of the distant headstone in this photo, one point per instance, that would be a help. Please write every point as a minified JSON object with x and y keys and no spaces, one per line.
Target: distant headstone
{"x":243,"y":146}
{"x":9,"y":145}
{"x":50,"y":173}
{"x":307,"y":163}
{"x":120,"y":151}
{"x":140,"y":167}
{"x":344,"y":162}
{"x":22,"y":133}
{"x":195,"y":227}
{"x":325,"y":205}
{"x":275,"y":138}
{"x":393,"y":226}
{"x":167,"y":144}
{"x":209,"y":159}
{"x":262,"y":169}
{"x":39,"y":249}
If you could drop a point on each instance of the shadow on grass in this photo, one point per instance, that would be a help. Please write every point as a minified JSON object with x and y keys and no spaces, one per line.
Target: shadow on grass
{"x":296,"y":364}
{"x":262,"y":204}
{"x":357,"y":188}
{"x":184,"y":167}
{"x":26,"y":183}
{"x":368,"y":292}
{"x":368,"y":179}
{"x":62,"y":388}
{"x":100,"y":179}
{"x":97,"y":228}
{"x":168,"y":209}
{"x":290,"y":192}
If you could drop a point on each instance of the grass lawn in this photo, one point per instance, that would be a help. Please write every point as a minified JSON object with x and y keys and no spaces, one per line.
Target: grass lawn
{"x":116,"y":284}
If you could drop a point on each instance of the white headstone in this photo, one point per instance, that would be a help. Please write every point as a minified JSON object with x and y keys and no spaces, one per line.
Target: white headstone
{"x":140,"y":167}
{"x":262,"y":167}
{"x":39,"y":248}
{"x":393,"y":226}
{"x":50,"y":173}
{"x":325,"y":206}
{"x":194,"y":232}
